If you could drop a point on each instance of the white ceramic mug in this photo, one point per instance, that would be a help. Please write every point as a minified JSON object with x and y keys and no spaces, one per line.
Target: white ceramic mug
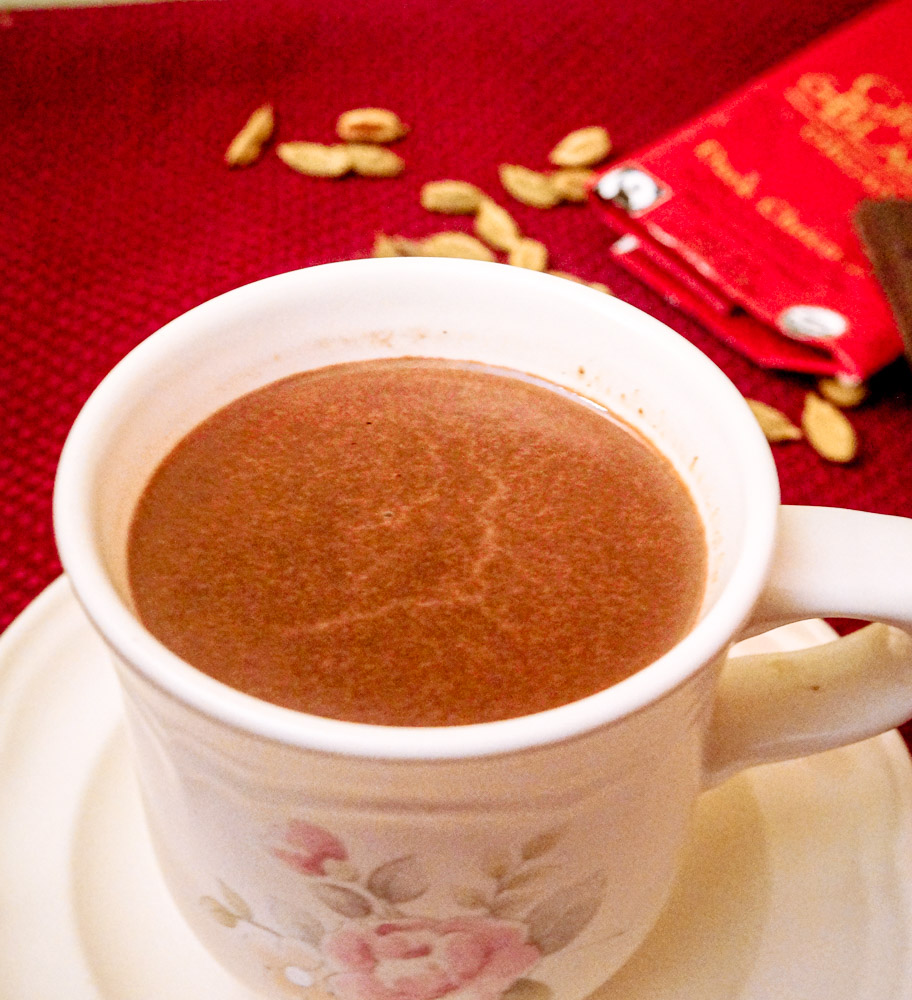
{"x":524,"y":858}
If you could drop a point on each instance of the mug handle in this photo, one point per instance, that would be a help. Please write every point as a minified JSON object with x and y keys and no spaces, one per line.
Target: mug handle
{"x":829,"y":562}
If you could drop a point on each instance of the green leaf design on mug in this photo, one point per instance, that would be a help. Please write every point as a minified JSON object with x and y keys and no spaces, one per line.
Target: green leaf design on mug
{"x":220,"y":912}
{"x":498,"y":861}
{"x":528,"y":989}
{"x":398,"y":881}
{"x":346,"y":902}
{"x":510,"y":906}
{"x":541,"y":844}
{"x":297,"y":923}
{"x":528,"y":876}
{"x":308,"y":928}
{"x":236,"y":903}
{"x":471,"y":898}
{"x":557,"y":920}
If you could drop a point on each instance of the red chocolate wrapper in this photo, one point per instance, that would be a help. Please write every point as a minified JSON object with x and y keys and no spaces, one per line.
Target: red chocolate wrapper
{"x":743,"y":218}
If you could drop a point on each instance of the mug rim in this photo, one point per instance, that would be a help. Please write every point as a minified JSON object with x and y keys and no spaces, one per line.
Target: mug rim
{"x":143,"y":653}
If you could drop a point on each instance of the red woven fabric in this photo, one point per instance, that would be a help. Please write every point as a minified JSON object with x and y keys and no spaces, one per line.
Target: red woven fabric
{"x":118,"y":214}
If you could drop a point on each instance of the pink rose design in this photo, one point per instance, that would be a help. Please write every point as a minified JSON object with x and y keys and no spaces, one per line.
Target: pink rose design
{"x":309,"y":848}
{"x":462,"y":958}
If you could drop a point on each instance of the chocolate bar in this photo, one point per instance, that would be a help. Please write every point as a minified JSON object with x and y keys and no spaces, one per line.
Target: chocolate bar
{"x":743,"y":216}
{"x":885,"y":229}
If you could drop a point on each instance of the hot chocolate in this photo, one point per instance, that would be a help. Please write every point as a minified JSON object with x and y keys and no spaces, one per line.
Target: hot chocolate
{"x":416,"y":543}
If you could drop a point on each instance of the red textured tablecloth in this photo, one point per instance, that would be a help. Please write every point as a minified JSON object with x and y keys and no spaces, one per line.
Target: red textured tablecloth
{"x":117,"y":213}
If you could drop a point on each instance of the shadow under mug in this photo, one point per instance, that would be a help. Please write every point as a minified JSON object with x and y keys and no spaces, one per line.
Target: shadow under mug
{"x":525,"y":858}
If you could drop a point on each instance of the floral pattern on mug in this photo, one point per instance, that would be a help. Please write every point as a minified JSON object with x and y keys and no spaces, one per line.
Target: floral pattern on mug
{"x":361,"y":939}
{"x":462,"y":958}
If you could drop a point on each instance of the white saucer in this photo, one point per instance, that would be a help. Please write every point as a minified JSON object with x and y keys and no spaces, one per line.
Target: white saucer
{"x":797,"y":884}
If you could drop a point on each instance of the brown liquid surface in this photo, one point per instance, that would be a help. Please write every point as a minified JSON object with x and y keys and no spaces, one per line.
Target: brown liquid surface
{"x":416,"y":543}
